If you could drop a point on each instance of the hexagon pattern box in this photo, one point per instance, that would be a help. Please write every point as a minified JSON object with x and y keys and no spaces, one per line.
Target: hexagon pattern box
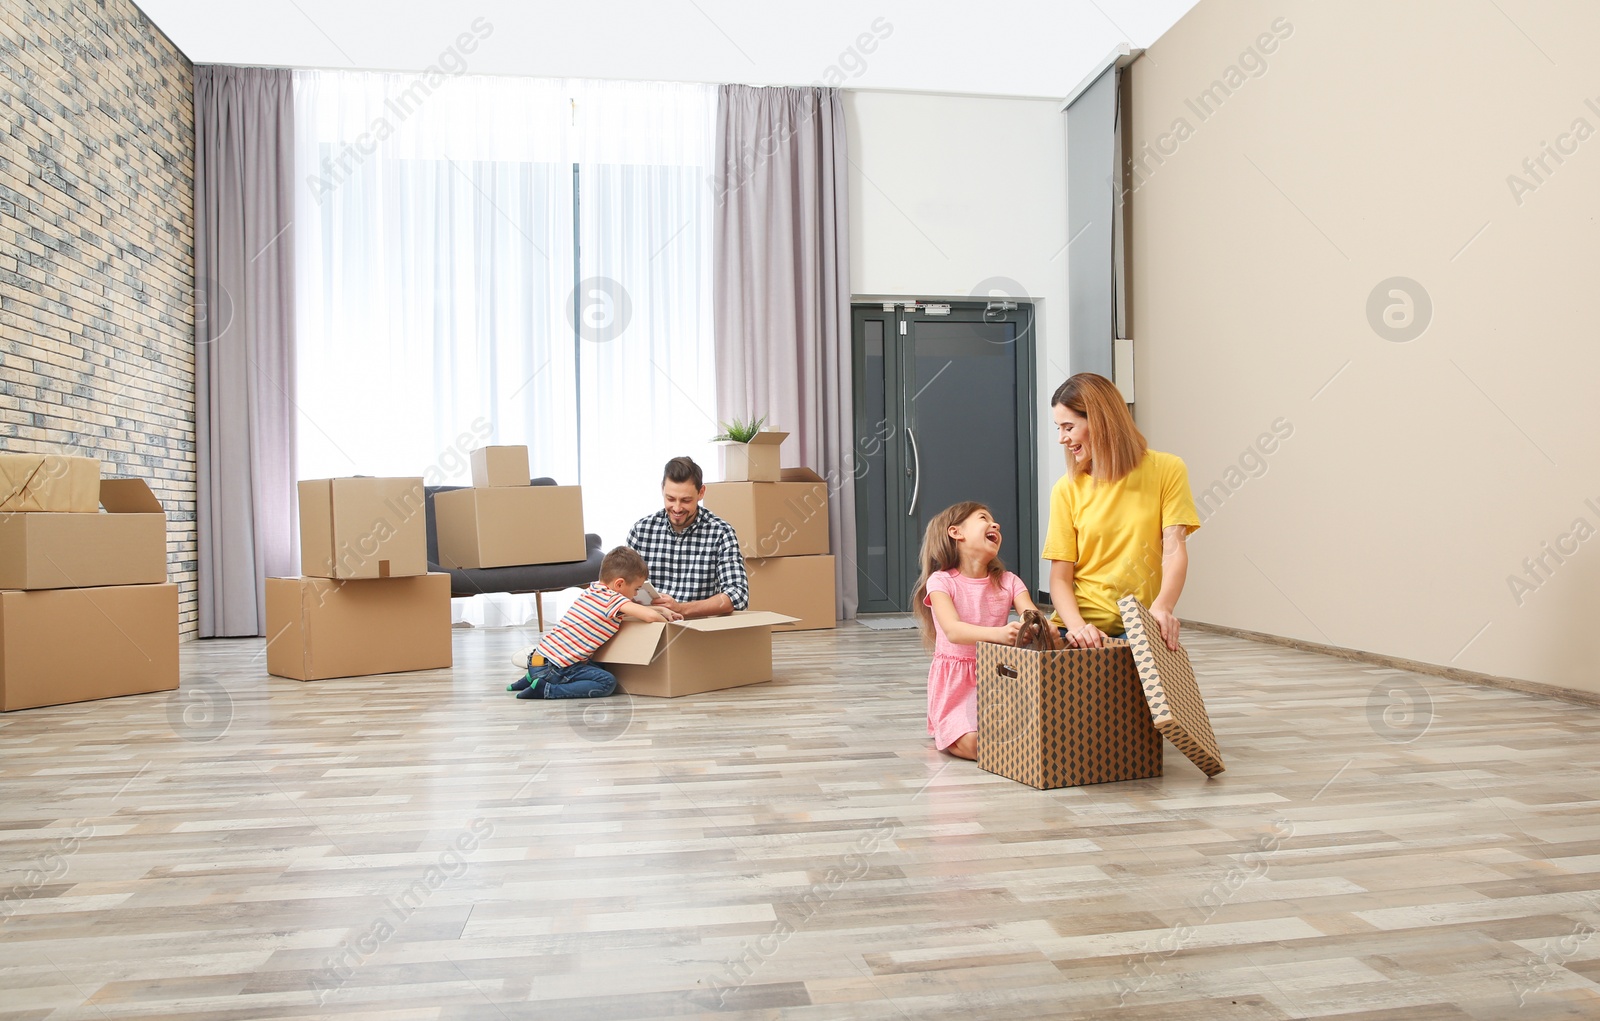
{"x":1066,"y":718}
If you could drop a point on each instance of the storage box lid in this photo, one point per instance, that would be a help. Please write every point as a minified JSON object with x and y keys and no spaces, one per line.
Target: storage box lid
{"x":128,"y":496}
{"x":1176,"y":707}
{"x":801,"y":475}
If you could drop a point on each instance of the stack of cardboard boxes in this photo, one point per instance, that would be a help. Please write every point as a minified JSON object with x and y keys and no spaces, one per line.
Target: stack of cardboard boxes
{"x":781,"y":515}
{"x":366,"y":603}
{"x":86,"y":611}
{"x":502,"y":521}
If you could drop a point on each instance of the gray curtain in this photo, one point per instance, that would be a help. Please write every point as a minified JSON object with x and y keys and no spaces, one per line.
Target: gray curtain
{"x":781,"y":286}
{"x":244,"y":341}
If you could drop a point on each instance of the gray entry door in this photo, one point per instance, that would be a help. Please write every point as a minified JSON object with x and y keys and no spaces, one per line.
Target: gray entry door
{"x":944,"y":413}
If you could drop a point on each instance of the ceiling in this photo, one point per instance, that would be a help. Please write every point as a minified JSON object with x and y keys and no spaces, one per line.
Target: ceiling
{"x":1007,"y":48}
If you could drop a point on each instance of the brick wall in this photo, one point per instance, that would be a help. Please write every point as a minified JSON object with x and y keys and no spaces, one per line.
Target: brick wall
{"x":97,"y":250}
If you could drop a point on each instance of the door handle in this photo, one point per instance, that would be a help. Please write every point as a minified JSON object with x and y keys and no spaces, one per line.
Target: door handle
{"x":916,"y":472}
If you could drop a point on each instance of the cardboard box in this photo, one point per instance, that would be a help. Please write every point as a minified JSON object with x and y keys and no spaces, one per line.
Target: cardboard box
{"x":33,"y":483}
{"x":800,"y":587}
{"x":690,"y":656}
{"x":788,"y":518}
{"x":508,"y":527}
{"x":500,"y":466}
{"x":127,"y":545}
{"x":1062,"y":719}
{"x":319,"y":627}
{"x":756,"y":461}
{"x":363,"y":528}
{"x":76,"y":644}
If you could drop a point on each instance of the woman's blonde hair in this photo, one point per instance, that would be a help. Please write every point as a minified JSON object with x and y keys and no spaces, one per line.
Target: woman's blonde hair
{"x":1116,"y":446}
{"x":941,"y":553}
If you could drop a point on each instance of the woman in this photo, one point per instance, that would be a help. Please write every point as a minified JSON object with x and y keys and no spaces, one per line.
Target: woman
{"x":1118,"y":518}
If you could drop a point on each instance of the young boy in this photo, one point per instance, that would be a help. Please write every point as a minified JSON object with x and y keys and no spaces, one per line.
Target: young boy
{"x":559,"y":665}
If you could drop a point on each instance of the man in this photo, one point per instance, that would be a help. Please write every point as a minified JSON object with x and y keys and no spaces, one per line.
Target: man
{"x":693,"y":555}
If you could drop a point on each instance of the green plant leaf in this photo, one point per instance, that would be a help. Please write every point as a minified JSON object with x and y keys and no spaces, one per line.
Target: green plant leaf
{"x":739,"y":430}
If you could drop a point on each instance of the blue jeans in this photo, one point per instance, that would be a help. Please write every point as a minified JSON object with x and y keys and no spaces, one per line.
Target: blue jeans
{"x":580,"y":680}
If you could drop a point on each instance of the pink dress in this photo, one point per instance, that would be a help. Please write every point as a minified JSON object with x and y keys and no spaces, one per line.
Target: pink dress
{"x":953,"y":678}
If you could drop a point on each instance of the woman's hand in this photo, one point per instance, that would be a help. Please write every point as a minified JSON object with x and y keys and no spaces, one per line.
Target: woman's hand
{"x":1086,"y":637}
{"x":1169,"y":626}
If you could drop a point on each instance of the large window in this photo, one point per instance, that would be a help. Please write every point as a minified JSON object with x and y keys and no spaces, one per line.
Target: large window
{"x":505,"y":260}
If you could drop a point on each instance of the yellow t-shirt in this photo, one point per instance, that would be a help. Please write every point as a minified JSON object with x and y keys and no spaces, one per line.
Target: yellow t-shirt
{"x":1111,"y":531}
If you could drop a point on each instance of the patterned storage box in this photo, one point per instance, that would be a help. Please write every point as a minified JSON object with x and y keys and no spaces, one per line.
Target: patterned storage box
{"x":1176,"y":707}
{"x":1062,"y":719}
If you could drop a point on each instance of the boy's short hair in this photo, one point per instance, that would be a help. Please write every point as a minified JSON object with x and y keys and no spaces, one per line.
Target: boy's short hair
{"x":624,"y":562}
{"x":683,"y":469}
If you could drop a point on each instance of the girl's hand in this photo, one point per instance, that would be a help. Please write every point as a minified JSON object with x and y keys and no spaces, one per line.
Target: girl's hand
{"x":1086,"y":637}
{"x":1007,"y":633}
{"x":1169,"y":626}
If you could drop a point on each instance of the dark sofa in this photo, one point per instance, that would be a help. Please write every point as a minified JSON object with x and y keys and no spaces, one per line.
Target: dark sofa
{"x":535,"y":578}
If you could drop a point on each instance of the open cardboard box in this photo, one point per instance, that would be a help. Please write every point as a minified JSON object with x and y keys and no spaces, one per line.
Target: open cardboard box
{"x":49,"y":483}
{"x":510,"y":526}
{"x":500,"y":466}
{"x":363,"y":528}
{"x":76,"y":644}
{"x":319,"y":627}
{"x":788,"y":518}
{"x":800,"y":587}
{"x":690,"y":656}
{"x":756,"y":461}
{"x":127,"y":545}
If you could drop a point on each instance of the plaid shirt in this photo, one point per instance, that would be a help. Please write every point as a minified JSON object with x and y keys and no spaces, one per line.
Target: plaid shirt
{"x":696,"y":563}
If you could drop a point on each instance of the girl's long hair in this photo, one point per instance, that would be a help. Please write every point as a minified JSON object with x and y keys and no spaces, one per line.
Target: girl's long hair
{"x":1116,"y":446}
{"x":941,"y":553}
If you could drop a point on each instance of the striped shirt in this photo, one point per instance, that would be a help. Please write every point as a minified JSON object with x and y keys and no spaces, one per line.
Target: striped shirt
{"x":594,"y":618}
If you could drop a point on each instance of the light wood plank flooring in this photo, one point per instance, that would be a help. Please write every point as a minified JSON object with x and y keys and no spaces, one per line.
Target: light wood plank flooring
{"x":418,"y":846}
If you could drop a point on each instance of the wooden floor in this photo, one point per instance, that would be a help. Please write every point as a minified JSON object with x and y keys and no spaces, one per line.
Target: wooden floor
{"x":1382,"y":846}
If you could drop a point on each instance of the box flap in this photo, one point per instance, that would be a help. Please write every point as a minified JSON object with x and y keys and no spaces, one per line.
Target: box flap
{"x":1169,"y":687}
{"x":801,"y":475}
{"x":128,"y":496}
{"x":767,"y":438}
{"x":735,"y":621}
{"x":636,"y":643}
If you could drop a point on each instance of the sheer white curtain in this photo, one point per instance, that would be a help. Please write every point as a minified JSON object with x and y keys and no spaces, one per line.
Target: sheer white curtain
{"x":437,"y":281}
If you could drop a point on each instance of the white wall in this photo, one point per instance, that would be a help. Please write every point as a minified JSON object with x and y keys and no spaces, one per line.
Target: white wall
{"x":1423,"y":474}
{"x":948,"y":192}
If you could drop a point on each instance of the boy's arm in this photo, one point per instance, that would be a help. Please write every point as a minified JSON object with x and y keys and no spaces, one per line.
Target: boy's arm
{"x":651,"y":614}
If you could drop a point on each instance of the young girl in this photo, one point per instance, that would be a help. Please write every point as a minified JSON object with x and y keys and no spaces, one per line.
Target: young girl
{"x":964,"y":596}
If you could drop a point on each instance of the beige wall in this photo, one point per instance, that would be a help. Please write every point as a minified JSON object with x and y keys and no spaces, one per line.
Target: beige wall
{"x":97,"y":251}
{"x":947,"y":192}
{"x":1420,"y":474}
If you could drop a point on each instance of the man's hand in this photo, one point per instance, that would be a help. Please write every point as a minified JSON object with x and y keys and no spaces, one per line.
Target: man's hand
{"x":662,"y":601}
